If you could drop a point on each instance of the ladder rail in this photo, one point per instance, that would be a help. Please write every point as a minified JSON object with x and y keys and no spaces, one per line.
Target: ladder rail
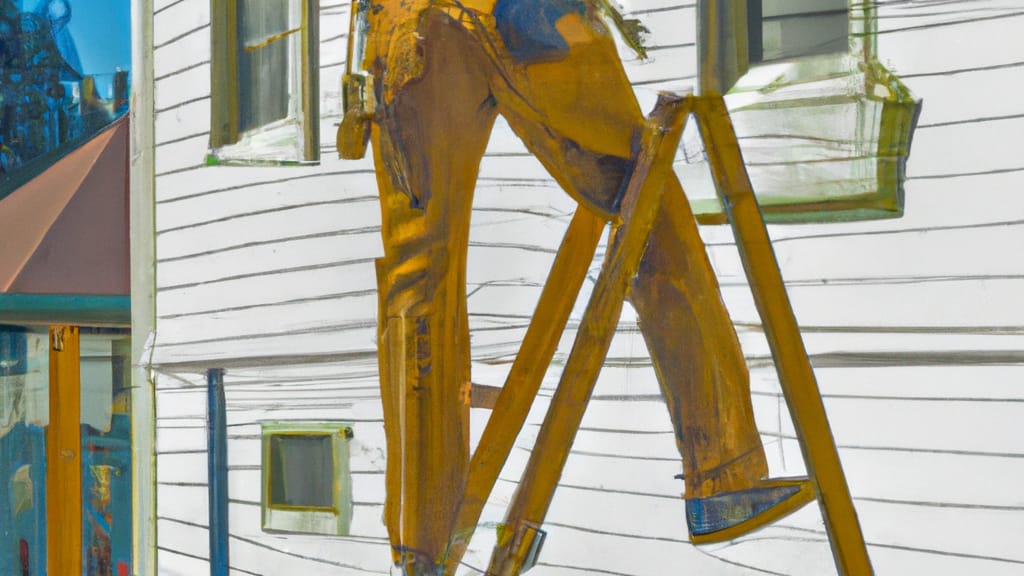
{"x":517,"y":539}
{"x":568,"y":272}
{"x":796,"y":377}
{"x":551,"y":451}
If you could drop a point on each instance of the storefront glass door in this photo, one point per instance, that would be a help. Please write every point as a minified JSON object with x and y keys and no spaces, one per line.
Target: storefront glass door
{"x":65,"y":446}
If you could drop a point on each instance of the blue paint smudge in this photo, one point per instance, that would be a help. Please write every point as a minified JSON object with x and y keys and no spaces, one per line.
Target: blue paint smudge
{"x":528,"y":27}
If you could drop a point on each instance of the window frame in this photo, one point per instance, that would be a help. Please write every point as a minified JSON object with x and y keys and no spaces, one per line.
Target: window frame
{"x":724,"y":37}
{"x":334,"y":520}
{"x":292,"y":140}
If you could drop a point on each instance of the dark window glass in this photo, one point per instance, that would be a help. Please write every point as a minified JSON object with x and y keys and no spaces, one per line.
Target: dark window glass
{"x":784,"y":29}
{"x":302,"y":470}
{"x":263,"y":59}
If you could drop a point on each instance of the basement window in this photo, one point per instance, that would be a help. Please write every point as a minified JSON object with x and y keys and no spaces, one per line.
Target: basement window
{"x":306,"y":479}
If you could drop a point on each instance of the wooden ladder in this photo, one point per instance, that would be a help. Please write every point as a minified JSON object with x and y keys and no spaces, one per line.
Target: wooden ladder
{"x":521,"y":535}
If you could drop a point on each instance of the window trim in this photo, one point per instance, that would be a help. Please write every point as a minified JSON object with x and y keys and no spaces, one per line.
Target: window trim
{"x":227,"y":143}
{"x":334,"y":520}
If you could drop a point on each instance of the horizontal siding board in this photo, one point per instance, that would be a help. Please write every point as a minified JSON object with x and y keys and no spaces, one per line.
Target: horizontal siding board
{"x":185,"y":503}
{"x":366,"y":518}
{"x":991,"y":44}
{"x":270,"y":225}
{"x":182,"y":154}
{"x":183,"y":121}
{"x":992,"y":383}
{"x":323,"y":345}
{"x":178,"y":563}
{"x":178,"y":18}
{"x":986,"y":90}
{"x":346,"y":177}
{"x":185,"y":536}
{"x":949,"y":303}
{"x":253,"y":196}
{"x":304,"y":318}
{"x":184,"y":403}
{"x":249,"y":259}
{"x":280,"y":287}
{"x":908,"y":561}
{"x":270,"y":557}
{"x":180,"y":51}
{"x":177,"y":439}
{"x":951,"y":253}
{"x":181,"y":468}
{"x":181,"y":86}
{"x":945,"y":529}
{"x":966,"y":148}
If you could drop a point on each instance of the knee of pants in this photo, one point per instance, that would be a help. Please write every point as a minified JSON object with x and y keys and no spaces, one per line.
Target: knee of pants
{"x":597,"y":180}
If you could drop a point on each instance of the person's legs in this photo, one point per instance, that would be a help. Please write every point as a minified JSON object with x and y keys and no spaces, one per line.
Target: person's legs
{"x":697,"y":356}
{"x":428,"y":138}
{"x":576,"y":111}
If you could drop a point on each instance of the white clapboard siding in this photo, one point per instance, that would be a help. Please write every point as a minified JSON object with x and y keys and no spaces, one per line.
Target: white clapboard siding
{"x":914,"y":325}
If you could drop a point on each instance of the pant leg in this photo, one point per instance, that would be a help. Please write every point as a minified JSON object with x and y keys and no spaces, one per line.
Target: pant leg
{"x":428,"y":138}
{"x":577,"y":113}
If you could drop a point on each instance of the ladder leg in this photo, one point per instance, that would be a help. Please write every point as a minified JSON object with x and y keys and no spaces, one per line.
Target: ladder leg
{"x":795,"y":374}
{"x":547,"y":460}
{"x":524,"y":379}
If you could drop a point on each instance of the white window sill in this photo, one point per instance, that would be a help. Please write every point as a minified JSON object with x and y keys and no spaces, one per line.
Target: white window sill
{"x":279,"y":144}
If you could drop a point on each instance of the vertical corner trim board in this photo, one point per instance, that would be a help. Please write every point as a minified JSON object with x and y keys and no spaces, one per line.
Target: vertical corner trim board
{"x":63,"y":455}
{"x":217,"y":458}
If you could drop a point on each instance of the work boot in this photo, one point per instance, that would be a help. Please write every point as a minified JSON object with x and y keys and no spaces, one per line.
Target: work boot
{"x":730,"y":515}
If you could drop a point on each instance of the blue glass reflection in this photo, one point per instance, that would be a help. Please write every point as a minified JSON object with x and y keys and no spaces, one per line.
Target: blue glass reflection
{"x":63,"y":78}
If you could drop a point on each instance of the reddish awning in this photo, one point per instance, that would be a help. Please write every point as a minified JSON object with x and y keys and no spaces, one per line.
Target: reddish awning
{"x":66,"y":230}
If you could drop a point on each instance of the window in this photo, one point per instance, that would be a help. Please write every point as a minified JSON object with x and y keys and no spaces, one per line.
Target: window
{"x":264,"y":69}
{"x":824,"y":127}
{"x":738,"y":34}
{"x":301,"y":472}
{"x":306,"y":480}
{"x":785,"y":29}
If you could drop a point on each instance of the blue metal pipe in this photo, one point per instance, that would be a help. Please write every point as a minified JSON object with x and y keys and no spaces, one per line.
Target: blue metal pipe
{"x":217,"y":459}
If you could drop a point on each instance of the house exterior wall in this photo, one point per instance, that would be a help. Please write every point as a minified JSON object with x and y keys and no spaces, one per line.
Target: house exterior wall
{"x":914,"y":325}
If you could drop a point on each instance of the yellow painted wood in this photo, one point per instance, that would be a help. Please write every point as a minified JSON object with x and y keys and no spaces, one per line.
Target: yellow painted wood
{"x":551,"y":450}
{"x":310,"y":94}
{"x":224,"y":72}
{"x":795,"y":374}
{"x":63,"y":455}
{"x":484,"y":396}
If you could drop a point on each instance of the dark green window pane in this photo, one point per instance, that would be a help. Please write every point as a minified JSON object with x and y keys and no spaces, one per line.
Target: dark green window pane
{"x":302,"y":470}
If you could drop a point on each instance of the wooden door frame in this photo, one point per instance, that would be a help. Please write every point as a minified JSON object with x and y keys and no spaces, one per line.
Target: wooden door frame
{"x":63,"y":454}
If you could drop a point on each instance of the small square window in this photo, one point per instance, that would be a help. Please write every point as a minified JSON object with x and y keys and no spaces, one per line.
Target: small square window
{"x":306,"y":481}
{"x":301,"y":471}
{"x":265,"y":95}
